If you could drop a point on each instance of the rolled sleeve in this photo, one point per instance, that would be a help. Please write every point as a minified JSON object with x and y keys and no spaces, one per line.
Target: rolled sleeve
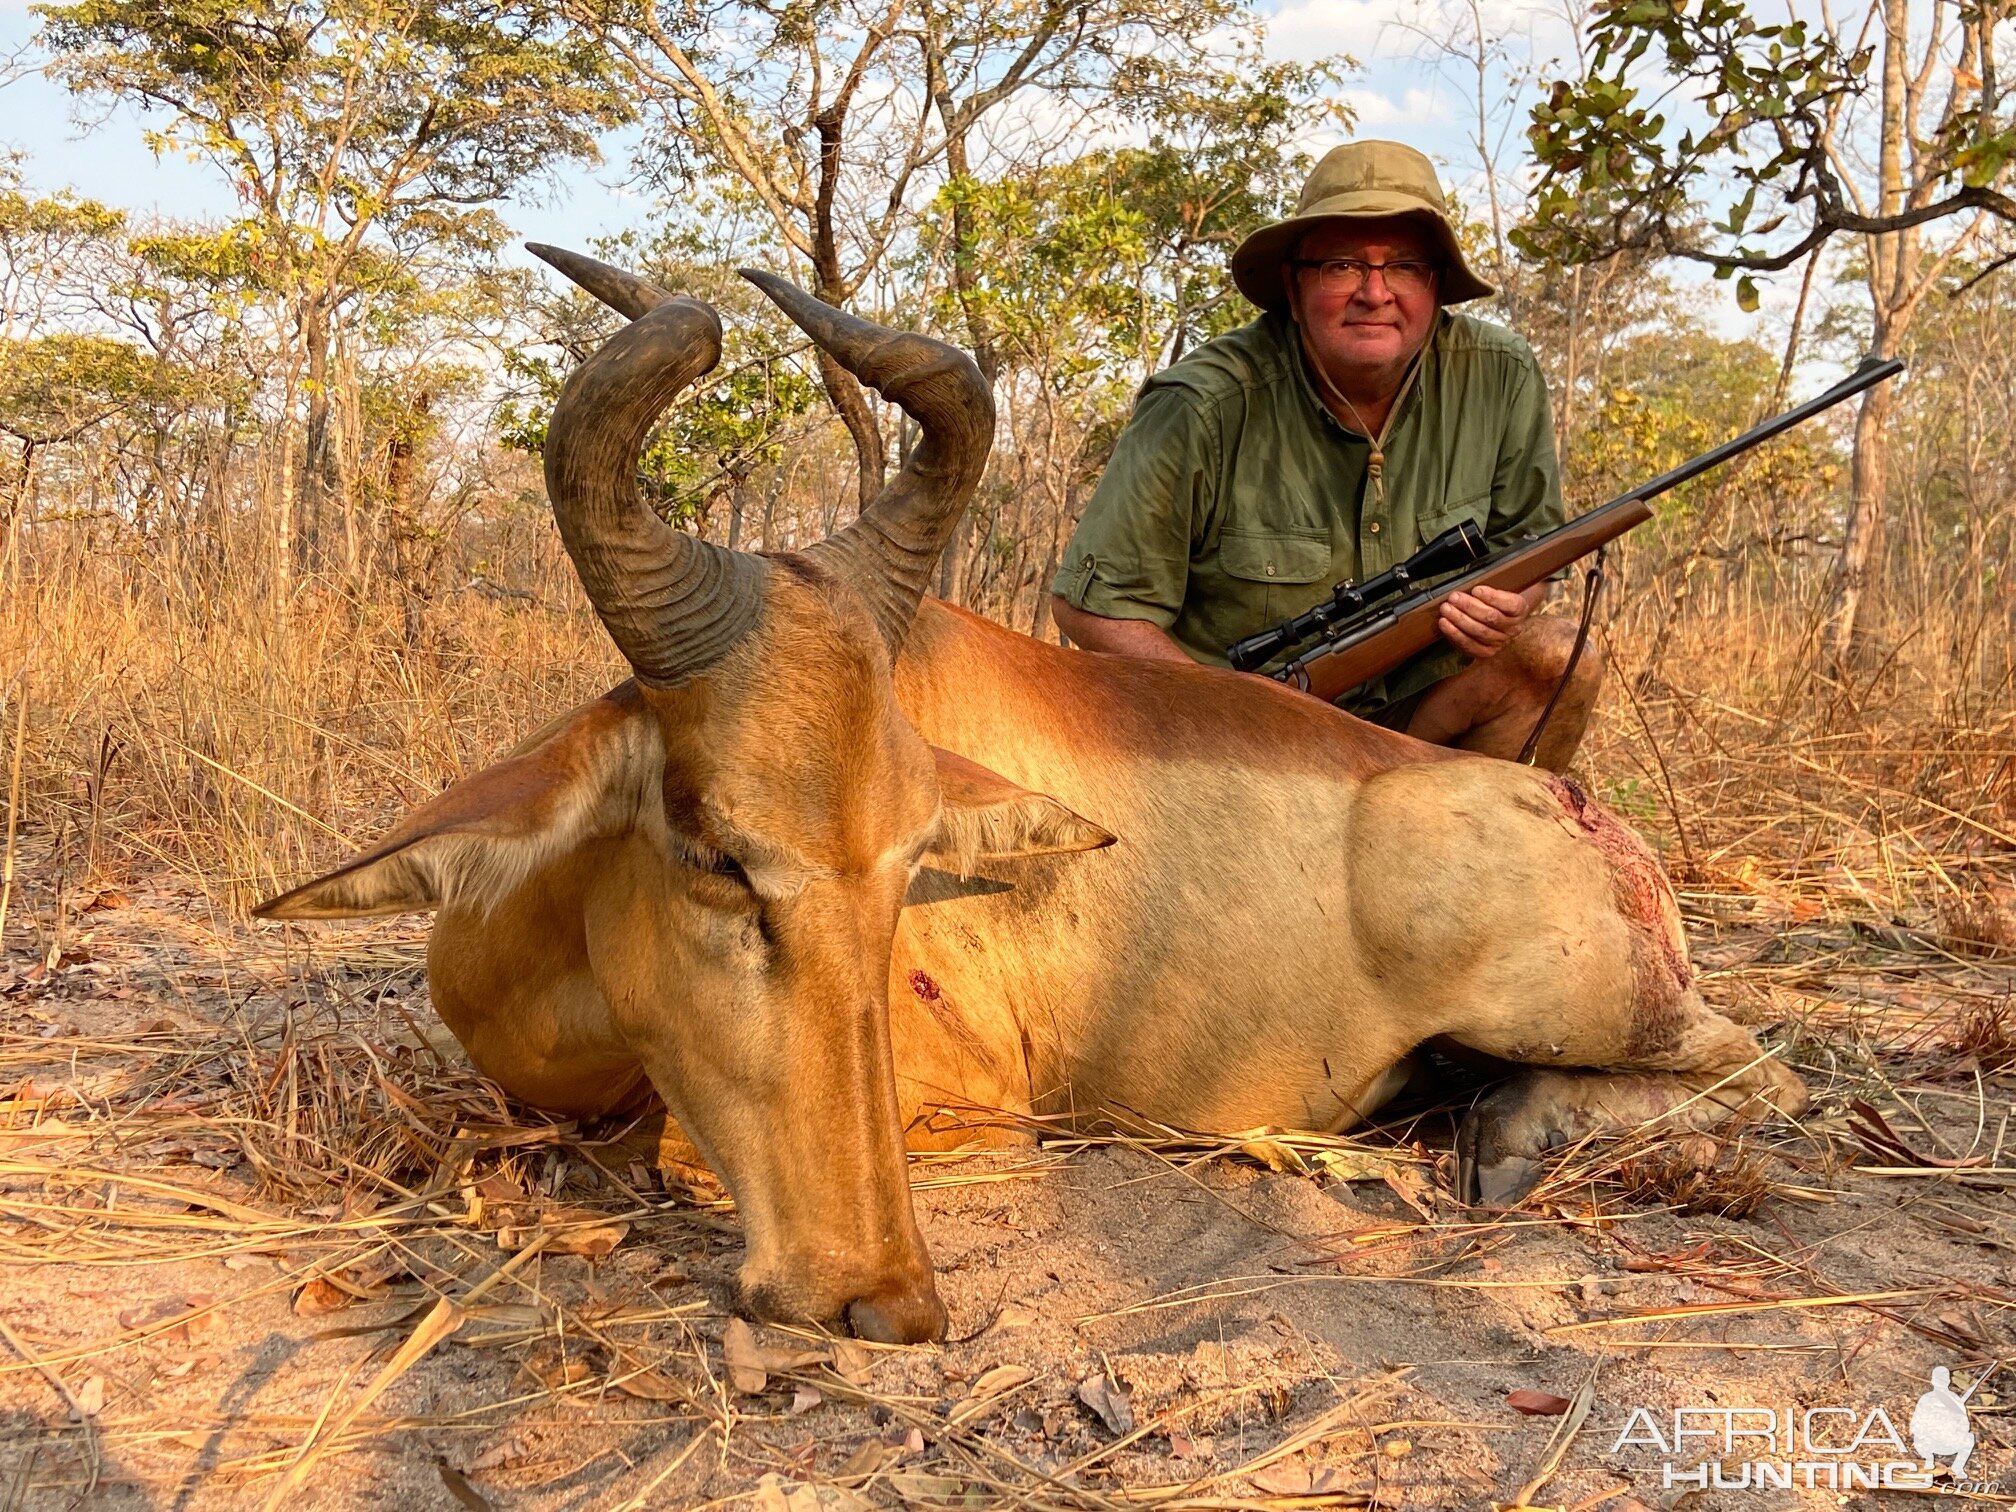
{"x":1129,"y":558}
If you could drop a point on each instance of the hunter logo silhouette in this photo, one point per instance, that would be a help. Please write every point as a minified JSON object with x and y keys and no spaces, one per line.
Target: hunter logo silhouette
{"x":1939,"y":1422}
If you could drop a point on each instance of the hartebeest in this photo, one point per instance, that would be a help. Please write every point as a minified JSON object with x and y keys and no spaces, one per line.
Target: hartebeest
{"x":697,"y":884}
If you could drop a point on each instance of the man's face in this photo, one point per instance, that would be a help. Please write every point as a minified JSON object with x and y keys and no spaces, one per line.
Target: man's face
{"x":1378,"y":327}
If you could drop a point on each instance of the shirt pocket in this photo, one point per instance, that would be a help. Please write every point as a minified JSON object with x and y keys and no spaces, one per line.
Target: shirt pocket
{"x":1296,"y":556}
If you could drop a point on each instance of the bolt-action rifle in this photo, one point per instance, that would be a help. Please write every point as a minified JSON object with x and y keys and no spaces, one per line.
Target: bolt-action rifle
{"x":1369,"y":628}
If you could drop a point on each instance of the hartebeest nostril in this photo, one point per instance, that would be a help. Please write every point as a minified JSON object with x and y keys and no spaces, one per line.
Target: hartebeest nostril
{"x":902,"y":1314}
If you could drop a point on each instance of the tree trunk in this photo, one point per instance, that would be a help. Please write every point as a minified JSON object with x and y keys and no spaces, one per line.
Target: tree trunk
{"x":852,"y":405}
{"x":283,"y":525}
{"x":313,"y":496}
{"x":1864,"y":524}
{"x":965,"y":279}
{"x":830,"y":284}
{"x":1892,"y":272}
{"x":16,"y":507}
{"x":402,"y":525}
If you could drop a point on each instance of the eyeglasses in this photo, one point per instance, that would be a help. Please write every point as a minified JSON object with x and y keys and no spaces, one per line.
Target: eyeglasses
{"x":1347,"y":275}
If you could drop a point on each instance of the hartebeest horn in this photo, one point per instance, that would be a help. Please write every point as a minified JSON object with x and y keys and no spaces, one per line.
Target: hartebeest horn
{"x":889,"y":554}
{"x":625,"y":293}
{"x":674,"y":604}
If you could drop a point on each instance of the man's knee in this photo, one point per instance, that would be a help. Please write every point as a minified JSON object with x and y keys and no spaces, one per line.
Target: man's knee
{"x":1544,"y":648}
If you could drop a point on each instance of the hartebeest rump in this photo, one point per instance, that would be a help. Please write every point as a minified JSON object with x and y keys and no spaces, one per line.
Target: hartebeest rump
{"x":709,"y":883}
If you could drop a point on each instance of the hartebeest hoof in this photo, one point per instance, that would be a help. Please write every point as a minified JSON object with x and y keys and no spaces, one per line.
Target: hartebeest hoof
{"x":1501,"y":1146}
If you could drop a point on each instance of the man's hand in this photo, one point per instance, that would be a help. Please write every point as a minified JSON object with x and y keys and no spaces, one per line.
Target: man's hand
{"x":1480,"y":622}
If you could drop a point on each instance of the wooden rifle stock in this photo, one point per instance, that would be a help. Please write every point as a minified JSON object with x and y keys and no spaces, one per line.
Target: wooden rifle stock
{"x":1409,"y":627}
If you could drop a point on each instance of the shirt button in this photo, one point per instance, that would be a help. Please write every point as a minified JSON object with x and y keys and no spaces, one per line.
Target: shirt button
{"x":1270,"y":569}
{"x":1373,"y":527}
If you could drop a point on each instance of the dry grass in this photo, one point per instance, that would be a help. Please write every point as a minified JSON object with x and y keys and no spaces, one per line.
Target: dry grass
{"x":172,"y":721}
{"x":1696,"y":1175}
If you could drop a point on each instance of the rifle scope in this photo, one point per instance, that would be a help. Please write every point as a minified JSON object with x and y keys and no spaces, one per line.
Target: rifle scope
{"x":1458,"y":546}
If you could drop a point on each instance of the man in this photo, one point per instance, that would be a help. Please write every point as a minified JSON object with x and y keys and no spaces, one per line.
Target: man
{"x":1331,"y":438}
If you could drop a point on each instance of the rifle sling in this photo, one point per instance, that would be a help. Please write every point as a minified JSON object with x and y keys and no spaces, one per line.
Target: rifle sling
{"x":1592,"y":587}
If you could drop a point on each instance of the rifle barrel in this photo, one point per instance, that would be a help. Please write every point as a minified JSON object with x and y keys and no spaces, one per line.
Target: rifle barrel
{"x":1872,"y":372}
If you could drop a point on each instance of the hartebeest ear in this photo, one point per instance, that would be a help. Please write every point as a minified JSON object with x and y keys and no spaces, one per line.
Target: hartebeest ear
{"x":989,"y":818}
{"x":483,"y":836}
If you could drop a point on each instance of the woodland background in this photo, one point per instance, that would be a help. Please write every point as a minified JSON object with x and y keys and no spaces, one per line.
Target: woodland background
{"x":275,"y":560}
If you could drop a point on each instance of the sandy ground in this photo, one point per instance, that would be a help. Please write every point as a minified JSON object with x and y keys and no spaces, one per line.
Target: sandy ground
{"x":266,"y":1240}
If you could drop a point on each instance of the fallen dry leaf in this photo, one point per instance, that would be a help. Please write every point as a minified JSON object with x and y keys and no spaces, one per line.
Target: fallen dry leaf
{"x":804,"y":1399}
{"x":319,"y":1296}
{"x":1014,"y":1315}
{"x":1412,"y":1188}
{"x":871,"y":1456}
{"x":990,"y":1385}
{"x":781,"y":1361}
{"x":89,"y":1399}
{"x":379,"y":1271}
{"x":505,"y":1453}
{"x":739,"y":1352}
{"x":1537,"y":1403}
{"x":594,"y":1241}
{"x":648,"y":1385}
{"x":776,"y":1494}
{"x":1274,"y":1155}
{"x":853,"y":1361}
{"x":1182,"y":1447}
{"x":1111,"y":1401}
{"x":457,"y":1486}
{"x":142,"y":1314}
{"x":553,"y":1368}
{"x":1299,"y":1480}
{"x":926,"y":1490}
{"x":498,"y":1188}
{"x":1352,"y":1165}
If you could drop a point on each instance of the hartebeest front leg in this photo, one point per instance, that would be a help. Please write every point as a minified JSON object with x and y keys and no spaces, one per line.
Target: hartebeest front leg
{"x":1719,"y":1073}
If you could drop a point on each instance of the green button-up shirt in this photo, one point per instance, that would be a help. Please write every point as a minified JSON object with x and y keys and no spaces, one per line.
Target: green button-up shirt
{"x":1234,"y":499}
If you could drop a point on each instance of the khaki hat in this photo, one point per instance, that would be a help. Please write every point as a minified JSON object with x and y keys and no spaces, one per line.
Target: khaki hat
{"x":1359,"y":181}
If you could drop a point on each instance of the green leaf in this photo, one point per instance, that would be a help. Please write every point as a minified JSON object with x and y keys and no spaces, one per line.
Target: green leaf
{"x":1746,"y":294}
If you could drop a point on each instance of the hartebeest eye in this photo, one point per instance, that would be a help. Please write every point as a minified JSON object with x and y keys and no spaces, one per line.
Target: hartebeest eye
{"x":715,"y":863}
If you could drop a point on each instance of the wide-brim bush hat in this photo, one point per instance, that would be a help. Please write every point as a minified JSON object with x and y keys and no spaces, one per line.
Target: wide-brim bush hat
{"x":1359,"y":181}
